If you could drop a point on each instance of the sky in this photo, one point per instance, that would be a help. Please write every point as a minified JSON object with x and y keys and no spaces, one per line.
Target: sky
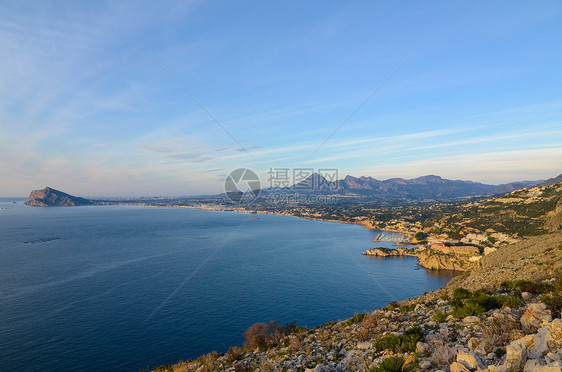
{"x":136,"y":98}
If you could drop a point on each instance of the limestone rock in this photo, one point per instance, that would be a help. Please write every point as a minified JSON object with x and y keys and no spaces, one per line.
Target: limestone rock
{"x":364,"y":345}
{"x":319,"y":368}
{"x":471,"y":320}
{"x":515,"y":356}
{"x":472,"y":343}
{"x":422,"y":347}
{"x":458,"y":367}
{"x":535,"y":316}
{"x":468,"y":360}
{"x":555,"y":330}
{"x":425,"y":364}
{"x":483,"y":348}
{"x":547,"y":338}
{"x":533,"y":365}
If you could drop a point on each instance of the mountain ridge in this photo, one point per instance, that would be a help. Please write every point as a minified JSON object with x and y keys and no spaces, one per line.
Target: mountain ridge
{"x":419,"y":188}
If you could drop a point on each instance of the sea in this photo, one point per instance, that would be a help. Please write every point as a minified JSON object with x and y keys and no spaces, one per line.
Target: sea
{"x":128,"y":288}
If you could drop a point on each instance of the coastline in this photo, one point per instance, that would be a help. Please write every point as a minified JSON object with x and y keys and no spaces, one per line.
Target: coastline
{"x":494,"y":318}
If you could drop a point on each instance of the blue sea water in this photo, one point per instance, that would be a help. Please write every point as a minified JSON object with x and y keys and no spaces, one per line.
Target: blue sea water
{"x":125,"y":288}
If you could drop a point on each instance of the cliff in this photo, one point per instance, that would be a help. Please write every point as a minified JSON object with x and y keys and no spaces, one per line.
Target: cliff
{"x":440,"y":261}
{"x":49,"y":197}
{"x":428,"y":258}
{"x":386,"y":252}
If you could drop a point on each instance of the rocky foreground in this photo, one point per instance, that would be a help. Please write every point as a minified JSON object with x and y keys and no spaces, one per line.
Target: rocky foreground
{"x":503,"y":315}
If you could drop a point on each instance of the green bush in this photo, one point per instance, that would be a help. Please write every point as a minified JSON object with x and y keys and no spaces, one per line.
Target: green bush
{"x":499,"y":352}
{"x":420,"y":235}
{"x":299,"y":329}
{"x":165,"y":368}
{"x":399,"y":344}
{"x":405,"y":309}
{"x":392,"y":306}
{"x":466,"y":303}
{"x":554,"y":302}
{"x":514,"y":301}
{"x":532,"y":287}
{"x":357,"y":318}
{"x":394,"y":364}
{"x":440,"y":317}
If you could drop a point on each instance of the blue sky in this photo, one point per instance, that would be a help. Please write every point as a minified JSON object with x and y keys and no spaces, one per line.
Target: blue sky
{"x":86,"y":109}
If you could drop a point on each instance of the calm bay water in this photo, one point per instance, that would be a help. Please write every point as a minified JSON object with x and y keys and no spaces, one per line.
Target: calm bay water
{"x":124,"y":288}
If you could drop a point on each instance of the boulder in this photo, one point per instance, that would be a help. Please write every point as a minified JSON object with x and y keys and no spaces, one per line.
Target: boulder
{"x":425,"y":364}
{"x":535,"y":316}
{"x":468,"y":360}
{"x":364,"y":345}
{"x":555,"y":330}
{"x":422,"y":347}
{"x":471,"y":320}
{"x":458,"y":367}
{"x":533,"y":365}
{"x":319,"y":368}
{"x":548,"y":338}
{"x":472,"y":343}
{"x":483,"y":348}
{"x":515,"y":356}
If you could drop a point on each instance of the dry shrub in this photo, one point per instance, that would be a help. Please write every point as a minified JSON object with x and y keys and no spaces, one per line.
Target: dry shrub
{"x":441,"y":354}
{"x":207,"y":361}
{"x":371,"y":325}
{"x":295,"y":343}
{"x":234,"y":353}
{"x":501,"y":329}
{"x":267,"y":365}
{"x":322,"y":336}
{"x":264,"y":335}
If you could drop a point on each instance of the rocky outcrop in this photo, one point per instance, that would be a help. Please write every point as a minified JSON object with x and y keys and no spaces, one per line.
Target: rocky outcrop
{"x":386,"y":252}
{"x":49,"y":197}
{"x":439,"y":261}
{"x":535,"y":316}
{"x":427,"y":257}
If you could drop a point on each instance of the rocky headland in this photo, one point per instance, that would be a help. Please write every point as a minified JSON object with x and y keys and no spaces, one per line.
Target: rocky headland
{"x":49,"y":197}
{"x":387,"y":252}
{"x":429,"y":258}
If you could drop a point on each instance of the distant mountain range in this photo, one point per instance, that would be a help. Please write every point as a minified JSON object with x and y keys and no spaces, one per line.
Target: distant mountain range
{"x":49,"y":197}
{"x":551,"y":181}
{"x":356,"y":189}
{"x":421,"y":188}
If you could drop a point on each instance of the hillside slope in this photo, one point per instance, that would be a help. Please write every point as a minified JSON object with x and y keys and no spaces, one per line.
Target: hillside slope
{"x":534,"y":259}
